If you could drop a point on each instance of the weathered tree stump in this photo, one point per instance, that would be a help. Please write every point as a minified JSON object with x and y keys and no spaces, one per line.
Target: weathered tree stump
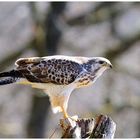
{"x":101,"y":127}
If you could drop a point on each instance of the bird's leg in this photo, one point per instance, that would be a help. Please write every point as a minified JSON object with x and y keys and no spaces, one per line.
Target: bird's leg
{"x":66,"y":116}
{"x":64,"y":108}
{"x":65,"y":113}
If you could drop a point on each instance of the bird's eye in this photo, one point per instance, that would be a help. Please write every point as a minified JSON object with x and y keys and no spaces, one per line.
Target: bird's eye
{"x":101,"y":62}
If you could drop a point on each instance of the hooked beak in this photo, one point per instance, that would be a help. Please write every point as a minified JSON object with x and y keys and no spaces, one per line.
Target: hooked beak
{"x":108,"y":65}
{"x":111,"y":66}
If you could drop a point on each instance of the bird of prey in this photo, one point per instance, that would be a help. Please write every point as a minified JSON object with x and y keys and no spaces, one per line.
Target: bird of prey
{"x":57,"y":75}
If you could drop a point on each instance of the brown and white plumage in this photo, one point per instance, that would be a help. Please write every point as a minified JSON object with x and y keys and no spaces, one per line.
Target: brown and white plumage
{"x":57,"y":75}
{"x":58,"y":70}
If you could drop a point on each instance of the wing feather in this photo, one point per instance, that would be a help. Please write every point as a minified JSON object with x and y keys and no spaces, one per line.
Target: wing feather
{"x":49,"y":70}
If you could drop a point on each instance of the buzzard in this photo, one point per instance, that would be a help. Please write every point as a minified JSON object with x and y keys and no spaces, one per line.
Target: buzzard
{"x":57,"y":75}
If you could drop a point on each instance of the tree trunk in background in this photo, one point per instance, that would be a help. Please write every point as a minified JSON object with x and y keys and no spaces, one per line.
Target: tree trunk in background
{"x":40,"y":107}
{"x":53,"y":26}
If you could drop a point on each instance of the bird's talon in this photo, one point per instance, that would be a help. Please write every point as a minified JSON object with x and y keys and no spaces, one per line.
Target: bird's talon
{"x":74,"y":118}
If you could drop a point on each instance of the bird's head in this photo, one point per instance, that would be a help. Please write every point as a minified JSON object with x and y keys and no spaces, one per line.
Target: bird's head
{"x":102,"y":62}
{"x":98,"y":65}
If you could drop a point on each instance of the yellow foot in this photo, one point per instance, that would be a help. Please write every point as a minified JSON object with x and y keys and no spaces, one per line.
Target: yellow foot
{"x":74,"y":118}
{"x":66,"y":116}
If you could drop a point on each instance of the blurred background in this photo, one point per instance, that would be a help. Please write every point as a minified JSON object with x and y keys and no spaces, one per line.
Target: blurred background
{"x":107,"y":29}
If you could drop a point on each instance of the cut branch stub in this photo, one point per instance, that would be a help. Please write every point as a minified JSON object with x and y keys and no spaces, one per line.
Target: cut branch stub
{"x":102,"y":127}
{"x":80,"y":128}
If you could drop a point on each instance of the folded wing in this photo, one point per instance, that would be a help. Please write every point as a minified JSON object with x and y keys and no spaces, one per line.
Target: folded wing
{"x":45,"y":70}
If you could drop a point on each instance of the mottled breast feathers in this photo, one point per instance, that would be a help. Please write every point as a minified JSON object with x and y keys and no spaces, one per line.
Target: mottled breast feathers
{"x":44,"y":70}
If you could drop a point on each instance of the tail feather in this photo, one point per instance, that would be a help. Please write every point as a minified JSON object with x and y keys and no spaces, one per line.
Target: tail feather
{"x":8,"y":81}
{"x":12,"y":75}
